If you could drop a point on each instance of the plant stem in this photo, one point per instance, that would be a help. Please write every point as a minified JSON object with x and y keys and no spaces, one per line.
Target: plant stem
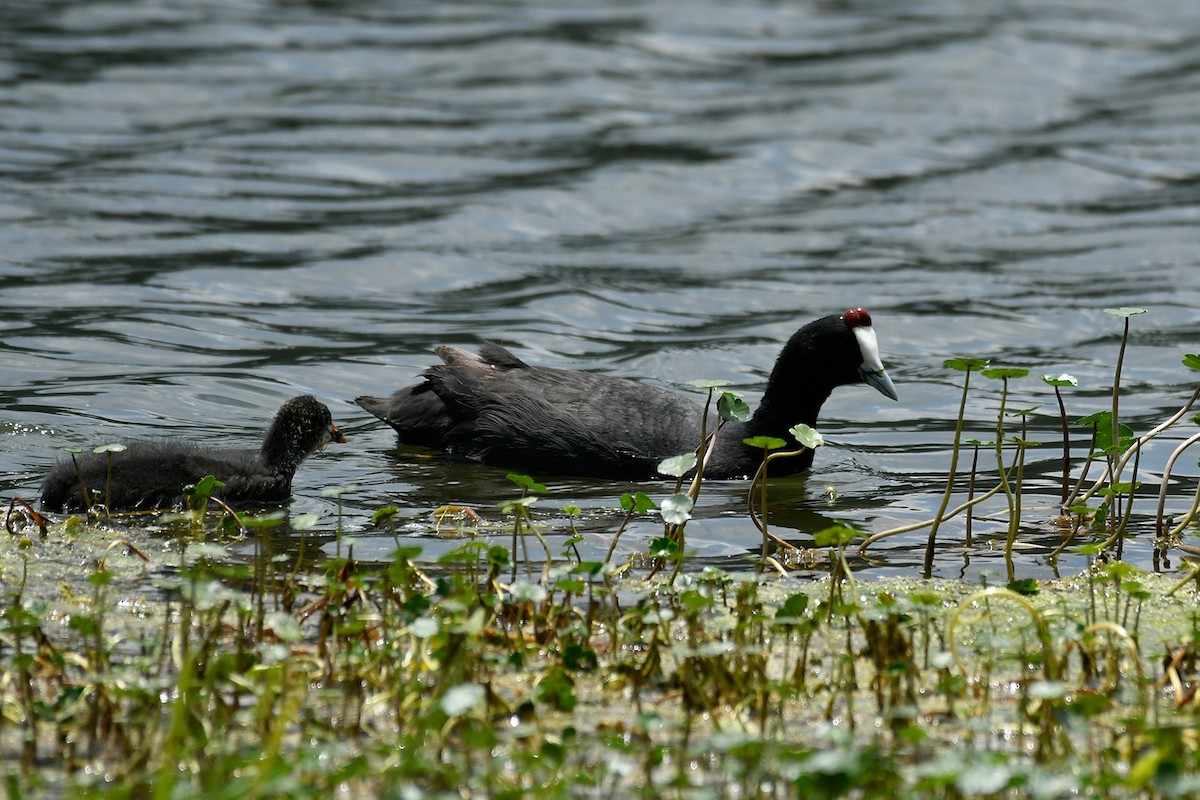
{"x":937,"y":520}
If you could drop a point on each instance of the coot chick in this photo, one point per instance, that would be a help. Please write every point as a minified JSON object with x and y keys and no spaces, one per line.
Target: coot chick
{"x":152,"y":474}
{"x":495,"y":408}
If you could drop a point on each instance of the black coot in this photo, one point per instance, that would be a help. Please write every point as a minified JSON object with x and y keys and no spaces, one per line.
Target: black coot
{"x":495,"y":408}
{"x":149,"y":475}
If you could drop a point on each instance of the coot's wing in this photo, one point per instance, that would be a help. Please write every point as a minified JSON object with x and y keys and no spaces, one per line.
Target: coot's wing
{"x":553,"y":421}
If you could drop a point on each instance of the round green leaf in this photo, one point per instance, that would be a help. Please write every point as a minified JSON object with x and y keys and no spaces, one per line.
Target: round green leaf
{"x":1061,"y":379}
{"x":676,"y":509}
{"x":807,"y":436}
{"x":424,"y":627}
{"x":677,"y":466}
{"x":703,"y":383}
{"x":304,"y":522}
{"x":269,"y":520}
{"x":732,"y":408}
{"x":966,"y":364}
{"x":284,"y":626}
{"x":637,"y":502}
{"x":834,"y":535}
{"x":527,"y":483}
{"x":384,"y":514}
{"x":110,"y":448}
{"x":459,"y":700}
{"x":525,"y":591}
{"x":1125,"y":311}
{"x":663,"y":547}
{"x":764,"y":442}
{"x":1001,"y":373}
{"x":1192,"y":361}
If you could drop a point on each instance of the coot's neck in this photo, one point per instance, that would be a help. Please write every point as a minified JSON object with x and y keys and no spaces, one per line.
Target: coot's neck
{"x":799,"y":385}
{"x":282,"y":448}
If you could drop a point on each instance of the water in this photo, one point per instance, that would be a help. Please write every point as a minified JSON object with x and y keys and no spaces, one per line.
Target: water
{"x":207,"y":207}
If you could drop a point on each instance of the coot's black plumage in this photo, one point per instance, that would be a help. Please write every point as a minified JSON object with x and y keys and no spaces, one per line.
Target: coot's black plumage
{"x":495,"y":408}
{"x":152,"y":474}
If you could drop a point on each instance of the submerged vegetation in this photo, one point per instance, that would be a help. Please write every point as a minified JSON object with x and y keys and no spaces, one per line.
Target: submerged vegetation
{"x":181,"y":656}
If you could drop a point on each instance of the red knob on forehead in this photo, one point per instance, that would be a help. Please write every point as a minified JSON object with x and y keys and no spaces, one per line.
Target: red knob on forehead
{"x":857,"y":318}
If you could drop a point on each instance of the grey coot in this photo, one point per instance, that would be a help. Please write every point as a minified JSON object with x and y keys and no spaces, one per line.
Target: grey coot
{"x":495,"y":408}
{"x":152,"y":474}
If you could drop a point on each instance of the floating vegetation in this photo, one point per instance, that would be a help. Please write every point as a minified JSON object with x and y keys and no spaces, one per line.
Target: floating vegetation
{"x":582,"y":681}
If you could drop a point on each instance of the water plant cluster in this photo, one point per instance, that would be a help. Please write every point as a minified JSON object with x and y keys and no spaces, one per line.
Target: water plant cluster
{"x":265,"y":679}
{"x":182,"y":656}
{"x":1093,"y":512}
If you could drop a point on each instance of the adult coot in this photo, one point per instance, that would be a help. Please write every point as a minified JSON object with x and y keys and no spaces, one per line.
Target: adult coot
{"x":150,"y":474}
{"x":495,"y":408}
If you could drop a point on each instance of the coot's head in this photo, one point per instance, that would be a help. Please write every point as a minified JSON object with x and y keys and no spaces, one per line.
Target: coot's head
{"x":302,"y":425}
{"x":870,"y":369}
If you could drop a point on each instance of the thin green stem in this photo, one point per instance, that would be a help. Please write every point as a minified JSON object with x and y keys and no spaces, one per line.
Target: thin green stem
{"x":937,"y":520}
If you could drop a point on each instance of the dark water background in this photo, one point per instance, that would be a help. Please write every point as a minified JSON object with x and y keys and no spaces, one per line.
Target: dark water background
{"x":207,"y":207}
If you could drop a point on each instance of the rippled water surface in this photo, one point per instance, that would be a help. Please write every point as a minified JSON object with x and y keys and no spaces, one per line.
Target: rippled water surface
{"x":207,"y":207}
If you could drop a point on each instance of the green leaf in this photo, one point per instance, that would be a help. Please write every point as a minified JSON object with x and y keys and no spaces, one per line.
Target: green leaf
{"x":384,"y":514}
{"x":1119,"y":570}
{"x":203,"y":487}
{"x":284,"y":626}
{"x":1125,"y":311}
{"x":526,"y":591}
{"x":764,"y":442}
{"x":677,"y":466}
{"x":637,"y":502}
{"x":268,"y":520}
{"x":1086,"y":704}
{"x":1003,"y":373}
{"x":511,"y":506}
{"x":1102,"y":422}
{"x":835,"y":535}
{"x":555,"y":689}
{"x":794,"y":606}
{"x":572,"y":510}
{"x":570,"y":585}
{"x":406,"y":553}
{"x":580,"y":658}
{"x":459,"y":700}
{"x":527,"y":483}
{"x":807,"y":436}
{"x":663,"y":547}
{"x":1025,"y":586}
{"x":425,"y":627}
{"x":338,"y":491}
{"x":732,"y":408}
{"x":110,"y":448}
{"x":708,"y":383}
{"x":1061,"y":379}
{"x":497,"y":556}
{"x":676,"y":509}
{"x":1192,"y":361}
{"x":966,"y":364}
{"x":304,"y":522}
